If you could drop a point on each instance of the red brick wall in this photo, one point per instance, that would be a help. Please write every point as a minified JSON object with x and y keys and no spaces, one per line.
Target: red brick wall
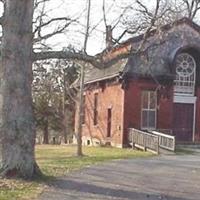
{"x":165,"y":111}
{"x":126,"y":111}
{"x":112,"y":96}
{"x":132,"y":106}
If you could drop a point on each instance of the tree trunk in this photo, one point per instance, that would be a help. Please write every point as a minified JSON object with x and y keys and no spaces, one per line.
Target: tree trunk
{"x":46,"y":133}
{"x":18,"y":132}
{"x":80,"y":114}
{"x":64,"y":121}
{"x":65,"y":132}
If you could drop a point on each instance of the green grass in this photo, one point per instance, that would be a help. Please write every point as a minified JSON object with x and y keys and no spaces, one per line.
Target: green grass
{"x":18,"y":189}
{"x":57,"y":161}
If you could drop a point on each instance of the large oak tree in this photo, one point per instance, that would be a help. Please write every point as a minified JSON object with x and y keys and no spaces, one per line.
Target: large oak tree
{"x":18,"y":128}
{"x":17,"y":56}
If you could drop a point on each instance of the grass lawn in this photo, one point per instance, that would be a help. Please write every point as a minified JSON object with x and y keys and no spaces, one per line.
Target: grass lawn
{"x":57,"y":161}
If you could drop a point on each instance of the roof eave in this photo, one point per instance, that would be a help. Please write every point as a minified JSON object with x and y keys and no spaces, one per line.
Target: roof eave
{"x":102,"y":79}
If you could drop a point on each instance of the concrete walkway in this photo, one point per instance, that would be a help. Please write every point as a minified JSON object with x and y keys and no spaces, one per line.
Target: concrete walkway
{"x":166,"y":177}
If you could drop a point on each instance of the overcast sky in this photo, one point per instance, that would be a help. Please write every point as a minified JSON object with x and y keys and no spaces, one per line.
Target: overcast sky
{"x":76,"y":8}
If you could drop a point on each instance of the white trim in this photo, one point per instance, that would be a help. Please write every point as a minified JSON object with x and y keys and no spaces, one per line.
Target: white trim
{"x":148,"y":109}
{"x":163,"y":135}
{"x":185,"y":80}
{"x":194,"y":122}
{"x":185,"y":99}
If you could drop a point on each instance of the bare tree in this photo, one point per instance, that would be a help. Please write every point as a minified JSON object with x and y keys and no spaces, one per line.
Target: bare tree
{"x":18,"y":131}
{"x":18,"y":126}
{"x":192,"y":8}
{"x":81,"y":112}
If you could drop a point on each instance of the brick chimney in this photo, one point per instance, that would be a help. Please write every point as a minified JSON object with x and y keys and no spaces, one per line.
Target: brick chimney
{"x":109,"y":41}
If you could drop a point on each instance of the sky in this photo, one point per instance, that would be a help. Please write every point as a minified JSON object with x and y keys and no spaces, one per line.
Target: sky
{"x":77,"y":8}
{"x":96,"y":42}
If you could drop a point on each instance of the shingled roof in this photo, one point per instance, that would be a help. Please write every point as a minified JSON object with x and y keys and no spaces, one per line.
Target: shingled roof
{"x":157,"y":60}
{"x":94,"y":74}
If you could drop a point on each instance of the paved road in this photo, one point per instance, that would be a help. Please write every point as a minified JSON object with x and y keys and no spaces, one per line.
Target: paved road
{"x":167,"y":177}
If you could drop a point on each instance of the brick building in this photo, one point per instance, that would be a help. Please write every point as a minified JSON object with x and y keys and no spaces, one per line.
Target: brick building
{"x":156,"y":88}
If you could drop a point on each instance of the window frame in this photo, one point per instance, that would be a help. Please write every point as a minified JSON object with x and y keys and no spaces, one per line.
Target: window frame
{"x":109,"y":122}
{"x":95,"y":110}
{"x":148,"y":110}
{"x":183,"y":84}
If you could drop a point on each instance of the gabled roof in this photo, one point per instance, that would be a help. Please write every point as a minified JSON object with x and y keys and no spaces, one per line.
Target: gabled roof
{"x":140,"y":37}
{"x":136,"y":66}
{"x":166,"y":27}
{"x":94,"y":74}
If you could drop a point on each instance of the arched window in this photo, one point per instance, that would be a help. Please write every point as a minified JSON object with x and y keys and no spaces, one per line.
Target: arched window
{"x":185,"y":75}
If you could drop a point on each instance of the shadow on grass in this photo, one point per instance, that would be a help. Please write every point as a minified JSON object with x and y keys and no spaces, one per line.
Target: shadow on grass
{"x":81,"y":190}
{"x":48,"y":179}
{"x":44,"y":179}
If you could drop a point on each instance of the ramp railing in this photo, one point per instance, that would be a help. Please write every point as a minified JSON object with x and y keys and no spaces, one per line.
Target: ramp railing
{"x":143,"y":140}
{"x":166,"y":141}
{"x":151,"y":141}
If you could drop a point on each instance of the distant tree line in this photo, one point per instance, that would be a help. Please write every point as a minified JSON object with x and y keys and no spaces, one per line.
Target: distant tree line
{"x":54,"y":97}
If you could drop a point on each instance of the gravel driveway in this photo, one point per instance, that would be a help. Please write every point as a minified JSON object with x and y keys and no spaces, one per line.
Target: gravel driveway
{"x":166,"y":177}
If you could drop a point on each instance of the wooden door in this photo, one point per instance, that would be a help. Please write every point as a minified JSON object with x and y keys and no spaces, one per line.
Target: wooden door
{"x":183,"y":122}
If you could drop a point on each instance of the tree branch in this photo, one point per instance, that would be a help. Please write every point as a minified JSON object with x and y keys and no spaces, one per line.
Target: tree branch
{"x":1,"y":20}
{"x":53,"y":20}
{"x":38,"y":2}
{"x":87,"y":27}
{"x":66,"y":55}
{"x":102,"y":60}
{"x":104,"y":14}
{"x":57,"y":31}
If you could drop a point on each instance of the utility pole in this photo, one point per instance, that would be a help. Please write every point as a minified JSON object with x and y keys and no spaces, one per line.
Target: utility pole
{"x":81,"y":106}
